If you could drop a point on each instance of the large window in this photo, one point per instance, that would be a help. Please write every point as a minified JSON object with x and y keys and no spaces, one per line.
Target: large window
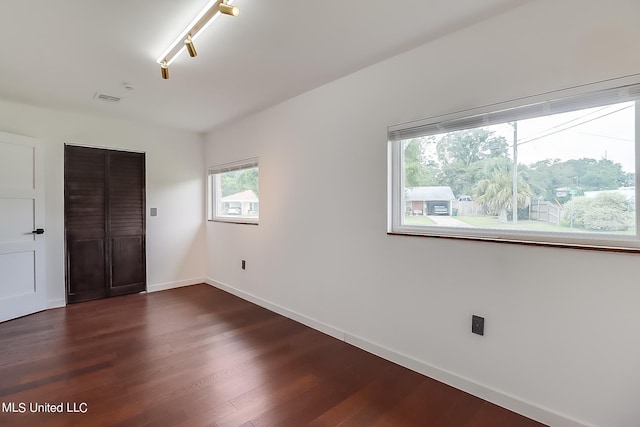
{"x":557,"y":169}
{"x":233,"y":192}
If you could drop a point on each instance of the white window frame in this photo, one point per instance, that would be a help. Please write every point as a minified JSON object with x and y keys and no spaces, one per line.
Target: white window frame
{"x":214,"y":190}
{"x":582,"y":97}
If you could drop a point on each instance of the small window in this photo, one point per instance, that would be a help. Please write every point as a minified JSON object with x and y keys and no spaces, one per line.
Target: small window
{"x":233,"y":192}
{"x":559,"y":169}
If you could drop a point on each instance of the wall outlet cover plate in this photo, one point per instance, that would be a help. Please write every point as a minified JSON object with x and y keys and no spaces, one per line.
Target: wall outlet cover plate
{"x":477,"y":325}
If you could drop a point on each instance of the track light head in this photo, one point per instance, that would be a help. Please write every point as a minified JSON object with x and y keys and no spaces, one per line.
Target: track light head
{"x":164,"y":69}
{"x":228,"y":9}
{"x":190,"y":47}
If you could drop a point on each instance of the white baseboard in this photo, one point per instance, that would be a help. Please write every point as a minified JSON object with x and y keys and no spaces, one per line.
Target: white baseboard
{"x":172,"y":285}
{"x":499,"y":398}
{"x":312,"y":323}
{"x":56,"y":303}
{"x":530,"y":410}
{"x":150,"y":288}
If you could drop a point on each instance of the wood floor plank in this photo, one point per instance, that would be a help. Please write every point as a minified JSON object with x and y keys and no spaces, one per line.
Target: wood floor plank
{"x":198,"y":356}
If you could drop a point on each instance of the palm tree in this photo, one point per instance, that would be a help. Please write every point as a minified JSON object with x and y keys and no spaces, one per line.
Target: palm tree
{"x":494,"y":192}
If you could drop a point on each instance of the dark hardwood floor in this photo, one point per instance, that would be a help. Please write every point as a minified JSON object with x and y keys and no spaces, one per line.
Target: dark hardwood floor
{"x":198,"y":356}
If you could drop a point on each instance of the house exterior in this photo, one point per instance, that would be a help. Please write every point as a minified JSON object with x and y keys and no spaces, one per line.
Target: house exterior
{"x":436,"y":200}
{"x":244,"y":203}
{"x":629,"y":193}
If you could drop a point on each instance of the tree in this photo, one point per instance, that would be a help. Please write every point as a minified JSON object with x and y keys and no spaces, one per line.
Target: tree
{"x":418,"y":170}
{"x":239,"y":181}
{"x":469,"y":146}
{"x":459,"y":153}
{"x":494,"y":192}
{"x":603,"y":175}
{"x":547,"y":176}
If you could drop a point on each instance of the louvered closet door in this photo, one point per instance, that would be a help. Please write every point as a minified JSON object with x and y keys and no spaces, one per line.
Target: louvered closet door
{"x":126,"y":222}
{"x":85,"y":223}
{"x":104,"y":223}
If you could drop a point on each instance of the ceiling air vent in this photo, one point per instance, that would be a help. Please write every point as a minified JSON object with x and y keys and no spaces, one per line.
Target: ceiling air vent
{"x":106,"y":98}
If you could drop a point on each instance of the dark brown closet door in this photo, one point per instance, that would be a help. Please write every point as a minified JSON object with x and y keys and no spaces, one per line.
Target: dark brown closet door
{"x":85,"y":223}
{"x":126,"y":222}
{"x":104,"y":223}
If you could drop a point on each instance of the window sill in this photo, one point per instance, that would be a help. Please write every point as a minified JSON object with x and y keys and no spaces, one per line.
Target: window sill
{"x":523,"y":242}
{"x":244,"y":222}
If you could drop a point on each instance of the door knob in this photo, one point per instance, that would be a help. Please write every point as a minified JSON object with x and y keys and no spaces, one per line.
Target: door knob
{"x":38,"y":231}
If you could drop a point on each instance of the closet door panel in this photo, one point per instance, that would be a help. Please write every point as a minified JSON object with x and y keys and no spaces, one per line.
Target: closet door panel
{"x":127,"y":222}
{"x":85,"y":223}
{"x":127,"y":264}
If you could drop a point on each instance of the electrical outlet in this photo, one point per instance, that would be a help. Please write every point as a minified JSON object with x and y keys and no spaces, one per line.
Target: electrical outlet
{"x":244,"y":265}
{"x":477,"y":325}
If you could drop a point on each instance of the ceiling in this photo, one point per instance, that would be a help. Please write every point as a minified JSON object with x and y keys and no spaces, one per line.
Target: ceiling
{"x":59,"y":54}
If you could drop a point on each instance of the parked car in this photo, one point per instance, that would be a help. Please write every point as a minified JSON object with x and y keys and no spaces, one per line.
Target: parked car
{"x":440,"y":210}
{"x":234,"y":211}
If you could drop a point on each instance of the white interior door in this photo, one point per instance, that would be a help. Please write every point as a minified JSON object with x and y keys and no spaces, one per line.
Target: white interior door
{"x":22,"y":279}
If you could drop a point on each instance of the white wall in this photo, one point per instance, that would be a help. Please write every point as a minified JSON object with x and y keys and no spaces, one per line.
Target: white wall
{"x":174,"y":179}
{"x":565,"y":351}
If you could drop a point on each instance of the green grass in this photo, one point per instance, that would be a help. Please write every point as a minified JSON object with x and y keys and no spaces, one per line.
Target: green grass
{"x":492,"y":222}
{"x":522,"y":225}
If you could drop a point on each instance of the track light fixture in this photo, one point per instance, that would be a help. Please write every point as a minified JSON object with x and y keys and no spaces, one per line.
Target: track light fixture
{"x":211,"y":11}
{"x":190,"y":47}
{"x":164,"y":68}
{"x":227,"y":9}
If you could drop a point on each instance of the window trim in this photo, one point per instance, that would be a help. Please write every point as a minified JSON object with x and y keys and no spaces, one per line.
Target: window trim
{"x":571,"y":99}
{"x":213,"y":190}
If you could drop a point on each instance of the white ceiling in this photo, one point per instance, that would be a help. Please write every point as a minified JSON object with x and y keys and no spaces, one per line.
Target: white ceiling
{"x":58,"y":54}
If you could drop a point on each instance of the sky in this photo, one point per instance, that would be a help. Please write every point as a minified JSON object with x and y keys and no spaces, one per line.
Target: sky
{"x":597,"y":133}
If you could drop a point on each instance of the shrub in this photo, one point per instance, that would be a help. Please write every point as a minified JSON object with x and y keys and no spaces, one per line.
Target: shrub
{"x":605,"y":212}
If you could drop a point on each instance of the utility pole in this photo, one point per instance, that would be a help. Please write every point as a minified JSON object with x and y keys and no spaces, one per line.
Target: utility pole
{"x":515,"y":172}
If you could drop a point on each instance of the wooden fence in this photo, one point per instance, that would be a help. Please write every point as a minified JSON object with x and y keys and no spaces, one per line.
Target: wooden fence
{"x":543,"y":210}
{"x":467,"y":208}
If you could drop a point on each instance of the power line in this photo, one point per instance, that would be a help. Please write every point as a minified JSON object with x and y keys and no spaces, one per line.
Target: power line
{"x":573,"y":120}
{"x":606,"y":136}
{"x":573,"y":126}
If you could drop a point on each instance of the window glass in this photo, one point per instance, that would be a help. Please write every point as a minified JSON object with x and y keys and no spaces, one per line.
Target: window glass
{"x":568,"y":177}
{"x":234,"y":193}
